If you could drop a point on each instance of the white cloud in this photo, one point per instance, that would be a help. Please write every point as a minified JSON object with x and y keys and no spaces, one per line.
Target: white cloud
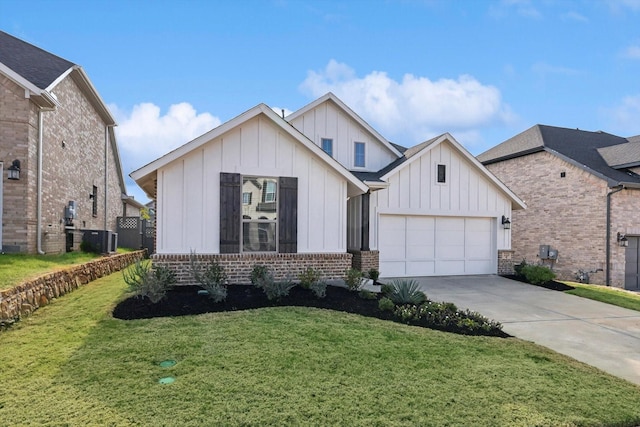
{"x":542,"y":68}
{"x":632,"y":52}
{"x":619,"y":6}
{"x":575,"y":16}
{"x":521,"y":7}
{"x":144,"y":134}
{"x":626,"y":116}
{"x":415,"y":108}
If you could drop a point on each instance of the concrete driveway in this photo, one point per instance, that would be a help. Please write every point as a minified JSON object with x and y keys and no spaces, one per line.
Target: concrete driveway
{"x":601,"y":335}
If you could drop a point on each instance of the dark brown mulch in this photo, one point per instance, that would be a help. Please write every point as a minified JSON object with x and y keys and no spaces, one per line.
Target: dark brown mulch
{"x":185,"y":300}
{"x":553,"y":285}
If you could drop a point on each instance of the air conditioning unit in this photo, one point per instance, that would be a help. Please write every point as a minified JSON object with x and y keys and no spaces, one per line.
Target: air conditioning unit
{"x":100,"y":241}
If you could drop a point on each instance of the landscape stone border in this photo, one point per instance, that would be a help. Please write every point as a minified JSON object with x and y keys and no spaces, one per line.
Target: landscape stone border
{"x":22,"y":300}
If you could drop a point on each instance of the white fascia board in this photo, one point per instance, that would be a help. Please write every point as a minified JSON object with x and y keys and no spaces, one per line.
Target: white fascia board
{"x":140,"y":175}
{"x":31,"y":90}
{"x":516,"y":202}
{"x":351,"y":113}
{"x":81,"y":78}
{"x":377,"y":185}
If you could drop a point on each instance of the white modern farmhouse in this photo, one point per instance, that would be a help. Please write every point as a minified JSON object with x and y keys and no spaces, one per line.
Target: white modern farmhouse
{"x":323,"y":189}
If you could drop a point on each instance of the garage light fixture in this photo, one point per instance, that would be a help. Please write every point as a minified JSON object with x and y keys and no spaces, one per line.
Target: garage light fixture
{"x":506,"y":224}
{"x":622,"y":240}
{"x":14,"y":170}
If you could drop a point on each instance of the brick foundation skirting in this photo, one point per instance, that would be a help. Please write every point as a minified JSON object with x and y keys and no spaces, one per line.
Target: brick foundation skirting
{"x":21,"y":300}
{"x":365,"y":260}
{"x":505,"y":263}
{"x":238,"y":266}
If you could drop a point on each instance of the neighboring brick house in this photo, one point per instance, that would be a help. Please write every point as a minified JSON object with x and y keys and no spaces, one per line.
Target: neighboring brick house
{"x":57,"y":134}
{"x":582,"y":191}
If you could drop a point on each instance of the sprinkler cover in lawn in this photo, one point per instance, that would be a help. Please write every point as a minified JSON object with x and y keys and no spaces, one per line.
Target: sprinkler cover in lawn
{"x":167,"y":363}
{"x":166,"y":380}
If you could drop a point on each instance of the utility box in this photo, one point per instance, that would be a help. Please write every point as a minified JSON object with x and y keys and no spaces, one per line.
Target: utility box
{"x":544,"y":252}
{"x":553,"y":254}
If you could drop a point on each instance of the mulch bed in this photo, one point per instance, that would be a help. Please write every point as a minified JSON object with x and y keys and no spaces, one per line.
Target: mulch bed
{"x":184,"y":300}
{"x":553,"y":285}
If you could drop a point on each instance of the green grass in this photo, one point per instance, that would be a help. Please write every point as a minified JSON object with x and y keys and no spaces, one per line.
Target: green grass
{"x":606,"y":294}
{"x":71,"y":363}
{"x":16,"y":268}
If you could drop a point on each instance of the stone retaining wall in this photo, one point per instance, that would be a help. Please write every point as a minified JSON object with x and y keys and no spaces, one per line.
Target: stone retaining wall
{"x":238,"y":266}
{"x":23,"y":299}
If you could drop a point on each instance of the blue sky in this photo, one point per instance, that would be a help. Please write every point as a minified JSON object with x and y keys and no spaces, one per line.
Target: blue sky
{"x":481,"y":70}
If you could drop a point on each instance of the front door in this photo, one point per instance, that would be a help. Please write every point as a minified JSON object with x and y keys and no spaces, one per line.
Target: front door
{"x":632,"y":264}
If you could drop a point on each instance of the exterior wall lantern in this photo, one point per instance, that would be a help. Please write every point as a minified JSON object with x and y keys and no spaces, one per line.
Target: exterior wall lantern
{"x":506,"y":224}
{"x":14,"y":170}
{"x":622,"y":240}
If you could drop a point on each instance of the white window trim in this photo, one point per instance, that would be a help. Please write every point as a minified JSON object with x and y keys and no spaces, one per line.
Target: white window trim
{"x":364,"y":147}
{"x":446,"y":173}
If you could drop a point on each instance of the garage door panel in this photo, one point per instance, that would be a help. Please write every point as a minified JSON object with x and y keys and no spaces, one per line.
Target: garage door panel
{"x":423,"y":245}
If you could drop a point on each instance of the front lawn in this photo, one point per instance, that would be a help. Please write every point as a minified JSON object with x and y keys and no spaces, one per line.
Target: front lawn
{"x":606,"y":294}
{"x":72,"y":363}
{"x":17,"y":268}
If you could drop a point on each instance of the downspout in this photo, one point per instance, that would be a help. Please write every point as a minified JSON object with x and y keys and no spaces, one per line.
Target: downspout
{"x":106,"y":174}
{"x":616,"y":189}
{"x":39,"y":186}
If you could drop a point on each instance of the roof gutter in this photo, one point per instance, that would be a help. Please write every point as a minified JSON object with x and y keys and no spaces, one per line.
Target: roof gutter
{"x":615,"y":190}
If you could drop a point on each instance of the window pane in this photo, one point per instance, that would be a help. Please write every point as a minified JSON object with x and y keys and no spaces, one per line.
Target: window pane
{"x":327,"y":146}
{"x":442,"y":173}
{"x":359,"y":155}
{"x":262,"y":197}
{"x":258,"y":236}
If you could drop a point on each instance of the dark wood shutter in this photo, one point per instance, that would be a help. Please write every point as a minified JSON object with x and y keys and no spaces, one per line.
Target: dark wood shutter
{"x":288,"y":215}
{"x":230,"y":203}
{"x":364,"y":231}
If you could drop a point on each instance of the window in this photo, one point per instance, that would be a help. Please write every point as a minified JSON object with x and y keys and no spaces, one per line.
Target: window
{"x":94,"y":198}
{"x":260,"y":220}
{"x":246,"y":198}
{"x":327,"y":146}
{"x":442,"y":174}
{"x":358,"y":158}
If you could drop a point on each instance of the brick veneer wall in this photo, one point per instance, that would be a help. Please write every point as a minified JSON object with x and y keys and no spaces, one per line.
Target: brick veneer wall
{"x":25,"y":298}
{"x":238,"y":266}
{"x":505,"y":263}
{"x":70,"y":169}
{"x":365,"y":260}
{"x":568,"y":213}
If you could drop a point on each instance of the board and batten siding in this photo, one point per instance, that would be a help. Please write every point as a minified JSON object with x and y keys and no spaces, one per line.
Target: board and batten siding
{"x":189,"y":190}
{"x":413,"y":190}
{"x":329,"y":121}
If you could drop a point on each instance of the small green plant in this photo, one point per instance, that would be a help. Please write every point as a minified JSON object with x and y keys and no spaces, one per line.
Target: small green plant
{"x":354,"y":279}
{"x":538,"y":274}
{"x":213,"y":278}
{"x":146,"y":281}
{"x":386,"y":289}
{"x":309,"y":277}
{"x":385,"y":304}
{"x":374,"y":275}
{"x":406,"y":292}
{"x":319,"y":288}
{"x":517,"y":268}
{"x":365,"y":294}
{"x":258,"y":273}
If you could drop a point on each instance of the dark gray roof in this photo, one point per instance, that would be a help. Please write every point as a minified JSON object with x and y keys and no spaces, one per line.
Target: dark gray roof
{"x":38,"y":66}
{"x":574,"y":145}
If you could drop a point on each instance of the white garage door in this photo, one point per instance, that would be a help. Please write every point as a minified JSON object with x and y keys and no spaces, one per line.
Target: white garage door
{"x":435,"y":246}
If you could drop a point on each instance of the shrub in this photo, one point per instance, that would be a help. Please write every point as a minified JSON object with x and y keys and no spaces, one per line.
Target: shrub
{"x":213,"y":278}
{"x":373,"y":274}
{"x":319,"y":288}
{"x":365,"y":294}
{"x":354,"y":279}
{"x":147,"y":281}
{"x":446,"y":316}
{"x":517,"y":268}
{"x":385,"y":304}
{"x":276,"y":290}
{"x":309,"y":277}
{"x":538,"y":274}
{"x":258,"y":273}
{"x":386,"y":289}
{"x":406,"y":292}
